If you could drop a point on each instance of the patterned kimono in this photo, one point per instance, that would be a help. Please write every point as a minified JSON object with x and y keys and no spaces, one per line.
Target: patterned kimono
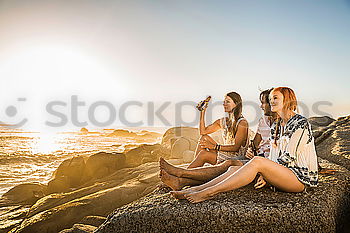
{"x":295,"y":149}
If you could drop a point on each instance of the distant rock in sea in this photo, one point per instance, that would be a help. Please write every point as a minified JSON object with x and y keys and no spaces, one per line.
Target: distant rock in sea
{"x":84,"y":131}
{"x":122,"y":133}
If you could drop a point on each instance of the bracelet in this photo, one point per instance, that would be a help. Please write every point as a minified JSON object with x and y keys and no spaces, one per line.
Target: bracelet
{"x":217,"y":147}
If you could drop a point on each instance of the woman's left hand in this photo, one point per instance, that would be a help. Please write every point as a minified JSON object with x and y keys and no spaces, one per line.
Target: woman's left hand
{"x":206,"y":144}
{"x":260,"y":182}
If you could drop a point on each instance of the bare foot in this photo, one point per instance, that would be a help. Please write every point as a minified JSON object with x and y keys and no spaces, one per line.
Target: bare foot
{"x":199,"y":196}
{"x":181,"y":194}
{"x":172,"y":170}
{"x":171,"y":181}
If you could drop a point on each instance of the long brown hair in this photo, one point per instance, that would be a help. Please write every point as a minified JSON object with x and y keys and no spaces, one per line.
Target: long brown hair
{"x":289,"y":103}
{"x":237,"y":112}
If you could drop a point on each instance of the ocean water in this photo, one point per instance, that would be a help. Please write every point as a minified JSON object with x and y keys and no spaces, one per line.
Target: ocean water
{"x":27,"y":157}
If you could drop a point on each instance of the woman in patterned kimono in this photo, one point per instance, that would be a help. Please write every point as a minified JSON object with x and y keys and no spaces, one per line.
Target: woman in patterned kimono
{"x":292,"y":163}
{"x":235,"y":135}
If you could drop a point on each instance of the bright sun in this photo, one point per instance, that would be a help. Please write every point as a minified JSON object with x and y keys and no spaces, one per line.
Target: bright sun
{"x":55,"y":68}
{"x":47,"y":73}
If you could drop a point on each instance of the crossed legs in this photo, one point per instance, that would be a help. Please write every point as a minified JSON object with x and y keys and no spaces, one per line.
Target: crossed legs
{"x":177,"y":178}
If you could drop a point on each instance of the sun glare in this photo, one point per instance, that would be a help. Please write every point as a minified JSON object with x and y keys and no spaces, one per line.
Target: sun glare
{"x":56,"y":72}
{"x":56,"y":67}
{"x":47,"y":143}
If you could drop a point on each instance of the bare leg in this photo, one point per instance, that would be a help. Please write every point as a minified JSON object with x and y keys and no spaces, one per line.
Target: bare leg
{"x":198,"y":149}
{"x":176,"y":183}
{"x":181,"y":194}
{"x":202,"y":158}
{"x":199,"y":173}
{"x":274,"y":173}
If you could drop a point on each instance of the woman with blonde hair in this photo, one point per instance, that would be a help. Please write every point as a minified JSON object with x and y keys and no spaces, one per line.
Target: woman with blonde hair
{"x":292,"y":163}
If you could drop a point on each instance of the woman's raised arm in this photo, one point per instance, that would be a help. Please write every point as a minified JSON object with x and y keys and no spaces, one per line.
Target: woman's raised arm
{"x":210,"y":128}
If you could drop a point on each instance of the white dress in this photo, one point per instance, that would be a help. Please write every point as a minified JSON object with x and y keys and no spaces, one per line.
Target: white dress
{"x":227,"y":155}
{"x":296,"y":149}
{"x":264,"y":130}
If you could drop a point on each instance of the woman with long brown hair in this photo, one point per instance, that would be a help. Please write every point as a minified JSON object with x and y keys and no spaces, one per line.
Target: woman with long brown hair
{"x":235,"y":135}
{"x":176,"y":177}
{"x":292,"y":163}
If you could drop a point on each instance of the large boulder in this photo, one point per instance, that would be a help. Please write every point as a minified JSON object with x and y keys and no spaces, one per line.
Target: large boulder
{"x":23,"y":194}
{"x":182,"y":142}
{"x":317,"y":122}
{"x":179,"y":146}
{"x":59,"y":184}
{"x":321,"y":209}
{"x":333,"y":143}
{"x":142,"y":154}
{"x":103,"y":164}
{"x":325,"y":208}
{"x":173,"y":134}
{"x":72,"y":169}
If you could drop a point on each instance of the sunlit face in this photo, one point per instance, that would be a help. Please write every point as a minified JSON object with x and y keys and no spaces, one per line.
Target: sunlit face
{"x":229,"y":104}
{"x":265,"y":106}
{"x":276,"y":101}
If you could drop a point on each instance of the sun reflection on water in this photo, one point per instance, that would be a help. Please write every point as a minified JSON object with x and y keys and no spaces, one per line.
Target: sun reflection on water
{"x":47,"y":143}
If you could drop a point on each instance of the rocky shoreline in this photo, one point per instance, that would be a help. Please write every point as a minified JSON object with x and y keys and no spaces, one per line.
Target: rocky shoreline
{"x":118,"y":193}
{"x":89,"y":188}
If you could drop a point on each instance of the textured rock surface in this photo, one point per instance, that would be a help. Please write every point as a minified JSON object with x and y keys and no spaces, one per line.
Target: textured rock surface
{"x":322,"y":209}
{"x":244,"y":210}
{"x":82,"y":186}
{"x":334,"y":143}
{"x":23,"y":194}
{"x":93,"y":220}
{"x":103,"y":164}
{"x":56,"y":212}
{"x":79,"y":228}
{"x":317,"y":122}
{"x":12,"y":216}
{"x":191,"y":135}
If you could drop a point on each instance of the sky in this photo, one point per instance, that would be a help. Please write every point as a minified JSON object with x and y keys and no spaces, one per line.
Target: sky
{"x":136,"y":56}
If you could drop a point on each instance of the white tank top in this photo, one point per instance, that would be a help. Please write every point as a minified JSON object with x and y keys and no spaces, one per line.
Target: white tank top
{"x":226,"y":155}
